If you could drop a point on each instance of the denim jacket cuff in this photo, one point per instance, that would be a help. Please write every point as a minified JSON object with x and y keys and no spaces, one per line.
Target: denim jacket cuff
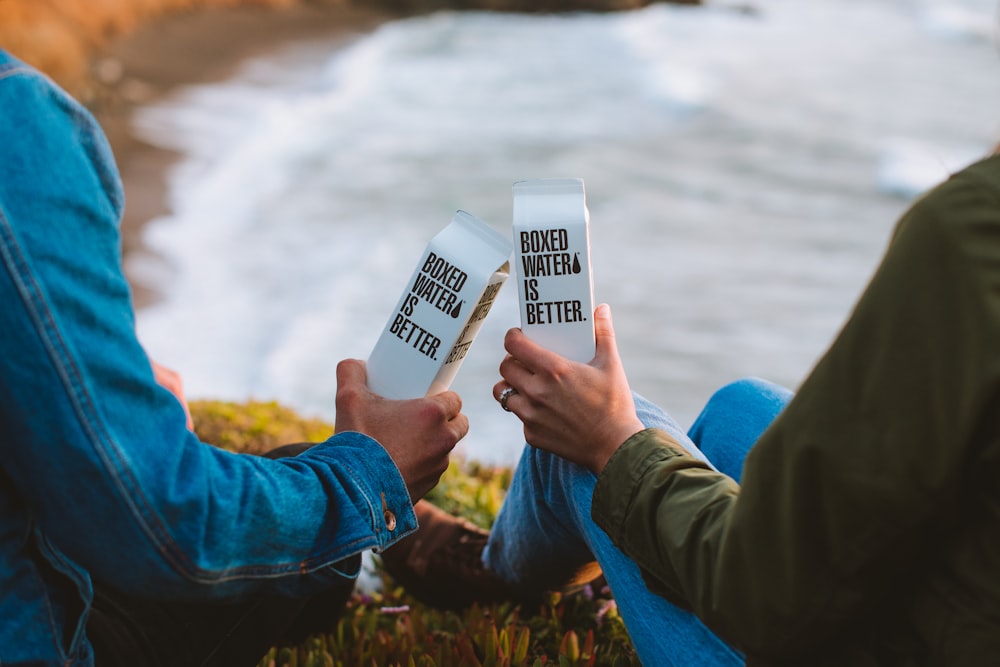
{"x":382,"y":486}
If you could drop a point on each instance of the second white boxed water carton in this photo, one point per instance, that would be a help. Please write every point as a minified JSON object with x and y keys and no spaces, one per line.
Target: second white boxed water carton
{"x":552,"y":256}
{"x":437,"y":318}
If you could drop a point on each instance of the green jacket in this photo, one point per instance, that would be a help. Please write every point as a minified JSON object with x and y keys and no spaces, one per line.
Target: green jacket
{"x":867,"y":527}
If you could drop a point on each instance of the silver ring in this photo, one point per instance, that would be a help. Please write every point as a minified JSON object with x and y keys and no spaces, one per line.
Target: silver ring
{"x":505,"y":396}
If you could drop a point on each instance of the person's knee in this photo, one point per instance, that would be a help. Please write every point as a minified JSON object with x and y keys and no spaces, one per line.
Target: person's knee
{"x":548,"y":468}
{"x":750,"y":390}
{"x":734,"y":418}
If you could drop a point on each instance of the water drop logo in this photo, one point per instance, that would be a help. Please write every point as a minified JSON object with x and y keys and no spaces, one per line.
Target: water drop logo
{"x":576,"y":263}
{"x":457,"y":310}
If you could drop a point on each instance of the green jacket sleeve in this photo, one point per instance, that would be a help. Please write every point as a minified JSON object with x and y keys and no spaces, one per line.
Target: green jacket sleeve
{"x":855,"y":480}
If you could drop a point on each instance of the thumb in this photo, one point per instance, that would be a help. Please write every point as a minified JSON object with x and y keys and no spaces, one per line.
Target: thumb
{"x":352,"y":372}
{"x":450,"y":402}
{"x":604,"y":334}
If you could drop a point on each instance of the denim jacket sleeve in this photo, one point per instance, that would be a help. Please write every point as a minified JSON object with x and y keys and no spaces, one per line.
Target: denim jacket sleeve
{"x":96,"y":449}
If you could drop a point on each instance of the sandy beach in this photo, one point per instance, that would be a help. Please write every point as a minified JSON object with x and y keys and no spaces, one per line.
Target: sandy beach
{"x":193,"y":48}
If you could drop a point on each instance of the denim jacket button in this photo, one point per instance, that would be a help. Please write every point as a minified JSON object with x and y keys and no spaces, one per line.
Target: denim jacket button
{"x":390,"y":520}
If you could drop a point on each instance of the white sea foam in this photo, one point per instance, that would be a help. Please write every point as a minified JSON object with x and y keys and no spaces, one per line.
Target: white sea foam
{"x":909,"y":167}
{"x":963,"y":21}
{"x":743,"y":173}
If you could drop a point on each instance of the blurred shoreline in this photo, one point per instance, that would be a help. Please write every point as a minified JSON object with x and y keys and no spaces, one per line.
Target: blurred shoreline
{"x":185,"y":49}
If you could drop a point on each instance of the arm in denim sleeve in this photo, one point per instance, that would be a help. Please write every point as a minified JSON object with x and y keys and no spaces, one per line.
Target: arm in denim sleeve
{"x":98,"y":451}
{"x":858,"y":482}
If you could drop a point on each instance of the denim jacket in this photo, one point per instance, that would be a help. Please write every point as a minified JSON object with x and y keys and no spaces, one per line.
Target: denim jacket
{"x":99,"y":477}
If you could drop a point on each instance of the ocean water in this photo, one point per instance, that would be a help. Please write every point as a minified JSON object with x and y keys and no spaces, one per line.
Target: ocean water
{"x":744,"y":168}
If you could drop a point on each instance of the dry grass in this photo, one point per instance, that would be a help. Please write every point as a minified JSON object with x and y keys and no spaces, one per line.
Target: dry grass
{"x":59,"y":37}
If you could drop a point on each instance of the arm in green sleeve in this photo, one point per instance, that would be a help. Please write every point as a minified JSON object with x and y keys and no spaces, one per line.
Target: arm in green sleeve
{"x":853,"y":485}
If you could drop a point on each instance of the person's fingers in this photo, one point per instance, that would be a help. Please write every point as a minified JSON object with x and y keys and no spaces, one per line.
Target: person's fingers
{"x":514,"y":373}
{"x":171,"y":380}
{"x":352,"y":372}
{"x":504,"y":394}
{"x":460,"y":426}
{"x":167,"y":378}
{"x":527,"y":352}
{"x":352,"y":395}
{"x":450,"y":402}
{"x":498,"y":389}
{"x":606,"y":346}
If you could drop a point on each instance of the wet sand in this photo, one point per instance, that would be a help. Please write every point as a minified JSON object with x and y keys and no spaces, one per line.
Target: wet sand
{"x":193,"y":48}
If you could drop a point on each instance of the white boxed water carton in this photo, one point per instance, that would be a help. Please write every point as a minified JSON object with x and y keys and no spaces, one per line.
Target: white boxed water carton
{"x":552,"y":256}
{"x":443,"y":308}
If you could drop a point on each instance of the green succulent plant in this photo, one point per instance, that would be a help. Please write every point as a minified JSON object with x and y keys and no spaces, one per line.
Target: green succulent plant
{"x":388,"y":628}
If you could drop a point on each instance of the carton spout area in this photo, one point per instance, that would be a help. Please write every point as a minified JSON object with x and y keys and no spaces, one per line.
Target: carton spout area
{"x":441,"y":310}
{"x":552,"y":257}
{"x":549,"y":200}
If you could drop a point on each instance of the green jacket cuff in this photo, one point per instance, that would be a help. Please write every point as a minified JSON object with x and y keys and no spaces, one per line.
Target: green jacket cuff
{"x":621,"y":477}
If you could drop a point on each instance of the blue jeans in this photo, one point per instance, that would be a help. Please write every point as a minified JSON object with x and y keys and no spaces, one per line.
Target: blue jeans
{"x":544,"y":527}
